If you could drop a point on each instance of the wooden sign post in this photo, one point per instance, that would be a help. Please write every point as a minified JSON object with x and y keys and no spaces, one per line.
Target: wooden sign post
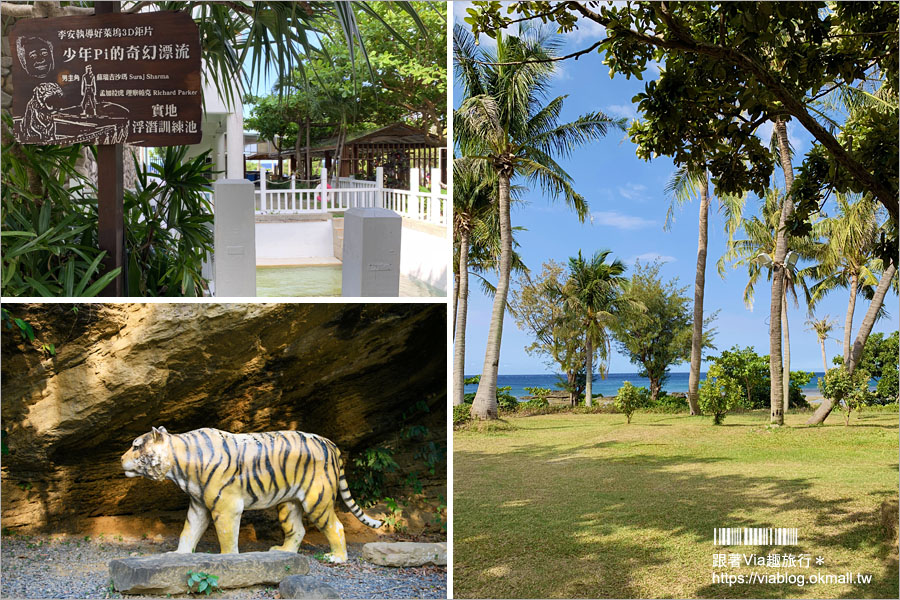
{"x":110,"y":199}
{"x":108,"y":79}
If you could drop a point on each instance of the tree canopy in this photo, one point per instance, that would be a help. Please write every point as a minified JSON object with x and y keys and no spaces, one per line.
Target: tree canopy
{"x":727,"y":67}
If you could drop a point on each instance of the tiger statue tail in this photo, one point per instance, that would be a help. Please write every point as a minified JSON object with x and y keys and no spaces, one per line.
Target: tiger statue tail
{"x":351,"y":504}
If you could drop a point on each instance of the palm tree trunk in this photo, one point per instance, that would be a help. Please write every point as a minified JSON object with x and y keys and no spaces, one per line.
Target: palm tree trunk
{"x":786,"y":376}
{"x":848,"y":322}
{"x":571,"y":377}
{"x":699,"y":286}
{"x":485,"y":404}
{"x":455,"y":299}
{"x":459,"y":348}
{"x":864,"y":330}
{"x":589,"y":370}
{"x":824,"y":358}
{"x":776,"y":392}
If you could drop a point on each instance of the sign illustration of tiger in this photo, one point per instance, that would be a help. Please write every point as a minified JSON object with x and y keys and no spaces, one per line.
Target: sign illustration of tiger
{"x":226,"y":473}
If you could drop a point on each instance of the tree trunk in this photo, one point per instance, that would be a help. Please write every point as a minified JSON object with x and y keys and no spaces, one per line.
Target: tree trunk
{"x":786,"y":375}
{"x":589,"y":370}
{"x":570,"y":378}
{"x":699,"y":286}
{"x":776,"y":392}
{"x":848,"y":322}
{"x":459,"y":348}
{"x":655,"y":388}
{"x":455,"y":299}
{"x":485,"y":404}
{"x":864,"y":330}
{"x":824,"y":358}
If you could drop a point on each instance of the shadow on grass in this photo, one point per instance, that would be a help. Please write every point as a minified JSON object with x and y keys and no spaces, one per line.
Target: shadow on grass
{"x":562,"y":524}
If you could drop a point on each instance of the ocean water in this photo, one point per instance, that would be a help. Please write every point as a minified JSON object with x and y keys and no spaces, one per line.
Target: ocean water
{"x":678,"y":382}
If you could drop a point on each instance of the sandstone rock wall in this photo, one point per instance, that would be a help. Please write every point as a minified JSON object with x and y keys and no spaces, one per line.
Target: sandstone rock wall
{"x":348,"y":372}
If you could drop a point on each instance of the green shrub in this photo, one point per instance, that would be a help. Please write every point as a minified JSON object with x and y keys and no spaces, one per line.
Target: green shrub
{"x":505,"y":400}
{"x":462,"y":413}
{"x":719,"y":393}
{"x":368,"y":481}
{"x":849,"y":390}
{"x":668,"y":403}
{"x":627,"y":400}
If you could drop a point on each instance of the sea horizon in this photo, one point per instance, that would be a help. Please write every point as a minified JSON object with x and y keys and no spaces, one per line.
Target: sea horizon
{"x":676,"y":383}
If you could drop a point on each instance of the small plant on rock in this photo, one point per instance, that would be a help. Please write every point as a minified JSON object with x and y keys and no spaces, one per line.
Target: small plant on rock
{"x":204,"y":581}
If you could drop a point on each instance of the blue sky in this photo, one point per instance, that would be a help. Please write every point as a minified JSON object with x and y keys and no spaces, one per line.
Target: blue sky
{"x":628,"y":205}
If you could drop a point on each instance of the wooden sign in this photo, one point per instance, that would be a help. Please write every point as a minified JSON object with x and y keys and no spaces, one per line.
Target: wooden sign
{"x":107,"y":79}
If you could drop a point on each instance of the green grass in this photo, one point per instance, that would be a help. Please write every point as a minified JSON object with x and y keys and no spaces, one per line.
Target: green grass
{"x":574,"y":505}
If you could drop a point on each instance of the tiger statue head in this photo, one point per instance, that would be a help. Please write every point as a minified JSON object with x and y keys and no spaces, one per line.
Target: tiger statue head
{"x":149,"y":456}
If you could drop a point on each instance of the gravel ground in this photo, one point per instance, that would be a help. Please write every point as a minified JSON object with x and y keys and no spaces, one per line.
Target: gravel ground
{"x":77,"y":567}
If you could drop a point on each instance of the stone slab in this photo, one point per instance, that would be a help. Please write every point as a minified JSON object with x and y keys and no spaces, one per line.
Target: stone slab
{"x":167,"y":573}
{"x":405,"y":554}
{"x":304,"y":586}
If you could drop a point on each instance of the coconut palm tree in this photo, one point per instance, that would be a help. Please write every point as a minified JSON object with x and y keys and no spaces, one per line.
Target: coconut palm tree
{"x":682,"y":187}
{"x":472,"y":198}
{"x":756,"y":252}
{"x":822,"y":327}
{"x":505,"y":122}
{"x":847,"y":259}
{"x":591,"y":293}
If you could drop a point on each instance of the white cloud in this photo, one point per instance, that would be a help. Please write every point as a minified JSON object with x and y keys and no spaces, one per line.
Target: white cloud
{"x":588,"y":32}
{"x":627,"y":111}
{"x":560,"y":72}
{"x":632,"y":191}
{"x":611,"y":218}
{"x":649,"y":257}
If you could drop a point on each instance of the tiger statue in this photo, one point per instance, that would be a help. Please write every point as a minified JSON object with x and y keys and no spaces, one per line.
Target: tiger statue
{"x":226,"y":473}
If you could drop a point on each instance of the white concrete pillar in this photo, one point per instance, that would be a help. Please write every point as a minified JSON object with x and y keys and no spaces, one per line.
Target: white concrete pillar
{"x":379,"y":187}
{"x":371,"y":253}
{"x":234,"y":238}
{"x":263,"y":196}
{"x":221,"y":164}
{"x":323,"y":185}
{"x":415,"y":202}
{"x":434,"y":203}
{"x":234,"y":129}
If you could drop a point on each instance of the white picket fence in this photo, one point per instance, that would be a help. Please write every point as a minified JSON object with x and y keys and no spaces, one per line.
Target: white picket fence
{"x":431,"y":206}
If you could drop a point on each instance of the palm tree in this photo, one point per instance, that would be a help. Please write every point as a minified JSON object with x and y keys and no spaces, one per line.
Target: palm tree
{"x":847,"y":259}
{"x":822,"y":327}
{"x":473,"y":193}
{"x":756,"y":252}
{"x":590,"y":294}
{"x":504,"y":122}
{"x":682,"y":187}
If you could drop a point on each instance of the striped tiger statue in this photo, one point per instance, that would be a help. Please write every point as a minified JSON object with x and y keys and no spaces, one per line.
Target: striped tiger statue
{"x":226,"y":473}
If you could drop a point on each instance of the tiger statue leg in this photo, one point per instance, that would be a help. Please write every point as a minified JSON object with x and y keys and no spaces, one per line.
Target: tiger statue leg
{"x":331,"y":526}
{"x":291,"y":518}
{"x":196,"y":523}
{"x":227,"y":519}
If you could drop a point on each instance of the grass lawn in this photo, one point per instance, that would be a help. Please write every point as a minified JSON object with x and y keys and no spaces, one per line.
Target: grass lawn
{"x":585,"y":506}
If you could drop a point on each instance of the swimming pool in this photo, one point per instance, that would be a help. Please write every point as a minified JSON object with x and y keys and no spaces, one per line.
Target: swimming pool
{"x":322,"y":281}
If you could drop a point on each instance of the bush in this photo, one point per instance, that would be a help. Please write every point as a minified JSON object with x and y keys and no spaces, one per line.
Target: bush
{"x":668,"y":403}
{"x":462,"y":413}
{"x":505,"y":400}
{"x":849,"y":390}
{"x":627,"y":400}
{"x":719,"y":394}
